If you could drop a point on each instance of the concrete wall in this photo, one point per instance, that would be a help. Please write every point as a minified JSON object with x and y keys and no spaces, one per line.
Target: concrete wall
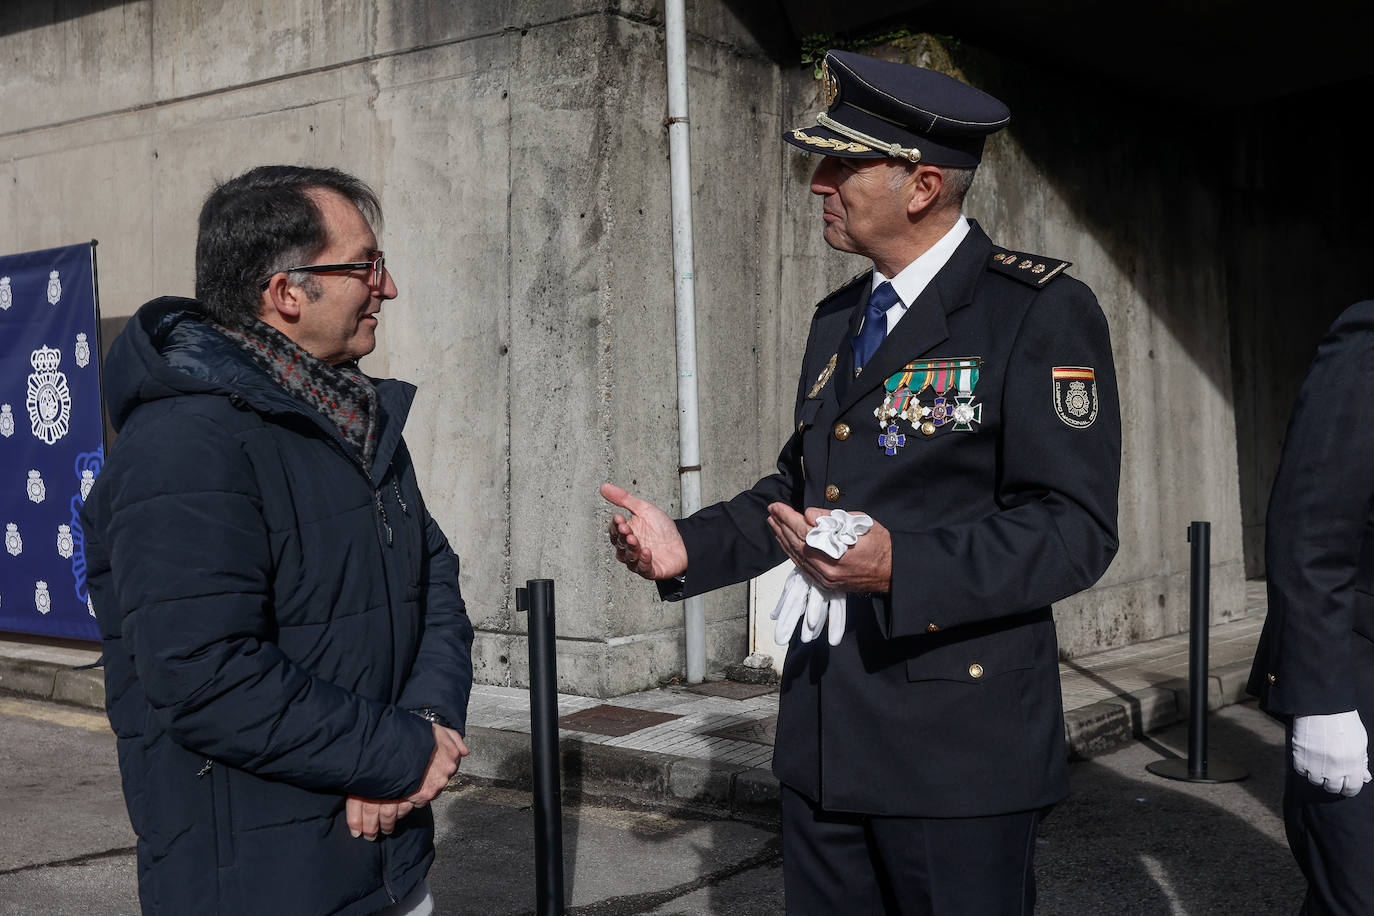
{"x":521,"y":158}
{"x":1297,"y":257}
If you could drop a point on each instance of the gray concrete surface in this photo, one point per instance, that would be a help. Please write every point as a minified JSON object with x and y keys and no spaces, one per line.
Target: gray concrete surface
{"x":707,"y":752}
{"x":520,"y":154}
{"x":1125,"y":843}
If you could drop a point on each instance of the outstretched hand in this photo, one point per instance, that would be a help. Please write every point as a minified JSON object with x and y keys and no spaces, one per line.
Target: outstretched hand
{"x":647,"y":542}
{"x":865,"y":567}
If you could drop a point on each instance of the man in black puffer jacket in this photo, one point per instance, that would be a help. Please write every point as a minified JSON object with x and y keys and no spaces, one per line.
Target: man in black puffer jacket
{"x":287,"y":654}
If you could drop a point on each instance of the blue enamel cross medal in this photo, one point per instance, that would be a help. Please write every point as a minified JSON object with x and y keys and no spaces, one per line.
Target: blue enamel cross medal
{"x":892,"y":440}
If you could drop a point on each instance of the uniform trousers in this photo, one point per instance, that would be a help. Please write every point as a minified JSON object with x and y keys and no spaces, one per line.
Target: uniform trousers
{"x":1331,"y":836}
{"x":864,"y":864}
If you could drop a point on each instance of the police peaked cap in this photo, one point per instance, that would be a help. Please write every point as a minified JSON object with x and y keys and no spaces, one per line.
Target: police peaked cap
{"x":877,"y":108}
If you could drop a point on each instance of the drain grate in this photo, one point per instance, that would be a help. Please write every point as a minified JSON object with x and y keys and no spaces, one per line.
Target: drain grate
{"x":613,"y":721}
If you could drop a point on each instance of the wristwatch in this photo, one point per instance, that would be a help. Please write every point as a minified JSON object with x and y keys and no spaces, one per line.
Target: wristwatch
{"x":429,"y":715}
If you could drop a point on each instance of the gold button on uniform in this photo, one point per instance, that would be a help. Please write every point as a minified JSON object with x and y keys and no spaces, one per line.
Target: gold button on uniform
{"x":928,"y":428}
{"x":975,"y":670}
{"x":931,"y":628}
{"x":1272,"y":678}
{"x":832,"y":493}
{"x":842,"y":431}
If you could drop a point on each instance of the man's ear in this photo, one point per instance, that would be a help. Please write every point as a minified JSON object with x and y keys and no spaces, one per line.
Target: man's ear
{"x":925,"y":184}
{"x":281,"y":300}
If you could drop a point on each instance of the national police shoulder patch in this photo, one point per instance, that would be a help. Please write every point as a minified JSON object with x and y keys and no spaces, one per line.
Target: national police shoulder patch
{"x":1075,"y":395}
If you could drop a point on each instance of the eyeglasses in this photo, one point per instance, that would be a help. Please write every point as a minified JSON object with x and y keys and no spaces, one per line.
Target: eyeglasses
{"x":377,"y":265}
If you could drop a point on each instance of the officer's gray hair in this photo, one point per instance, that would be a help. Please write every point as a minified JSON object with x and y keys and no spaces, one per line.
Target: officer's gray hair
{"x":956,"y":183}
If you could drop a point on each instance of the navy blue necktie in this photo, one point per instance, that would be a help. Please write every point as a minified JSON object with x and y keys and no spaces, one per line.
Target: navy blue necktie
{"x":870,"y":337}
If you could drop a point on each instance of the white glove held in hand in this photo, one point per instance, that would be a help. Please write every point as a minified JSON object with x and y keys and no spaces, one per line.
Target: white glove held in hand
{"x":1332,"y":751}
{"x":813,"y":607}
{"x":837,"y":532}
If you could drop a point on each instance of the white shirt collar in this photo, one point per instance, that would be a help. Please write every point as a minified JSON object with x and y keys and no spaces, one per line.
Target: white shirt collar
{"x":916,"y":276}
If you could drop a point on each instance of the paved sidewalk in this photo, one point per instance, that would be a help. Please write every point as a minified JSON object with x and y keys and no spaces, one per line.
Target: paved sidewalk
{"x":709,"y":747}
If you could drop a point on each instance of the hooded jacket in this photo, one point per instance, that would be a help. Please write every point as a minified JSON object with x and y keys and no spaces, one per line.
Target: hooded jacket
{"x":271,"y":612}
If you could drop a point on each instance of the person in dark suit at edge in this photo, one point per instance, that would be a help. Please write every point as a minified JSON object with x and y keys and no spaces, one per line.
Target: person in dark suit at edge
{"x":960,"y":397}
{"x":1314,"y":665}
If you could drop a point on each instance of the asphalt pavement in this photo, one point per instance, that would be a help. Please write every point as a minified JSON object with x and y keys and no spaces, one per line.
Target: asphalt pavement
{"x":1125,"y":842}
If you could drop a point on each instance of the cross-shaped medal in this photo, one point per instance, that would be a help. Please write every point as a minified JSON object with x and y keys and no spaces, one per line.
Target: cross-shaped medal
{"x":892,"y":440}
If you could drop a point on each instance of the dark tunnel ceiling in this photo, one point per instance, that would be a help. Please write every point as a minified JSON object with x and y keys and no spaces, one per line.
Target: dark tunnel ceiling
{"x":1209,"y":53}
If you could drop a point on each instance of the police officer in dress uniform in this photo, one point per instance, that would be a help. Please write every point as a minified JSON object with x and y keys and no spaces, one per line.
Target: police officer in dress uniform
{"x":962,"y":395}
{"x":1314,"y":666}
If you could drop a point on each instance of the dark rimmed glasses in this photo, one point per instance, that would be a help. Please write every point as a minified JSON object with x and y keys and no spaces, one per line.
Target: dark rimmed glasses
{"x":377,"y":265}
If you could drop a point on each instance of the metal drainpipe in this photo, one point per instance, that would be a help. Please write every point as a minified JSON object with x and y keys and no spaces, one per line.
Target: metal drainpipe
{"x":680,"y":175}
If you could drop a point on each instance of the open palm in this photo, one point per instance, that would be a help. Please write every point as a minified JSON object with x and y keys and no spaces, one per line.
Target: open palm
{"x":647,"y":542}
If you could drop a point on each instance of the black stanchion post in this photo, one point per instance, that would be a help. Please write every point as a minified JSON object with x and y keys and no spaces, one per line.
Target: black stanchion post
{"x":1196,"y":768}
{"x":537,"y":599}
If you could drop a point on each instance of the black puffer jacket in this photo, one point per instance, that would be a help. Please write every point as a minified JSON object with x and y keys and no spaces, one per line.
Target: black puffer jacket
{"x":270,"y":612}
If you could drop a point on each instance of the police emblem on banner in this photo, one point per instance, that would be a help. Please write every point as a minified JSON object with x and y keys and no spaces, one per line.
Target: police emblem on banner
{"x":6,"y":421}
{"x":64,"y":541}
{"x":54,"y":288}
{"x":1075,"y":395}
{"x":49,"y":399}
{"x":82,"y":350}
{"x":42,"y":601}
{"x":6,"y":294}
{"x":38,"y":491}
{"x":14,"y":543}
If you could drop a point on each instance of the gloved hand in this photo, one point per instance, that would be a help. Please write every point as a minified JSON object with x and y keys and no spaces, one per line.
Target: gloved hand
{"x":1332,"y":751}
{"x":811,"y":606}
{"x":791,"y":606}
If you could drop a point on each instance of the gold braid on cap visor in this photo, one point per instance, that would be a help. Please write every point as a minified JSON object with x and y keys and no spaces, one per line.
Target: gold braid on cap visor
{"x":894,"y":150}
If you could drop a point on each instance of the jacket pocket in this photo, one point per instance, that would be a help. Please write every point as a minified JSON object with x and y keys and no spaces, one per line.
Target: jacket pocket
{"x":974,"y":659}
{"x":224,"y":823}
{"x":806,"y":416}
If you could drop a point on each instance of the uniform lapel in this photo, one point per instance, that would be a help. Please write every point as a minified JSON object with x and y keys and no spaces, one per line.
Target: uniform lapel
{"x":923,"y":327}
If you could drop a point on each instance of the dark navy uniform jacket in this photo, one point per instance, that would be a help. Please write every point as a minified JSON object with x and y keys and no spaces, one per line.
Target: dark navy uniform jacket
{"x":943,"y":697}
{"x":1319,"y":551}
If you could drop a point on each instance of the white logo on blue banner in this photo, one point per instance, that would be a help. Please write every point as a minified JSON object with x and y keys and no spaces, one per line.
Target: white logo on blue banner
{"x":6,"y":294}
{"x":64,"y":541}
{"x":37,"y":490}
{"x":51,"y":432}
{"x":49,"y":399}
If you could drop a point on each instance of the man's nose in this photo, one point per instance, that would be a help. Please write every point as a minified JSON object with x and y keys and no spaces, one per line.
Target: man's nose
{"x":388,"y":288}
{"x":823,"y":179}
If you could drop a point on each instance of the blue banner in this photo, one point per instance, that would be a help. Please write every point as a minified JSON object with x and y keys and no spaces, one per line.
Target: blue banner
{"x":52,"y":428}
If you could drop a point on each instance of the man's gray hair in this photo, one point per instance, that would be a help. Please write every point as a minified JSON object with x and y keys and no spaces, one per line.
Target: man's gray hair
{"x":956,"y":183}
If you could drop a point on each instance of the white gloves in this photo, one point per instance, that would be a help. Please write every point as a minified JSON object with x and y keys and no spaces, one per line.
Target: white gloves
{"x":1332,"y":751}
{"x":811,"y":606}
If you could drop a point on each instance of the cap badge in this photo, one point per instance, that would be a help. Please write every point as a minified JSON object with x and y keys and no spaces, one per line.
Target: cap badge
{"x":830,"y":84}
{"x":1075,"y":395}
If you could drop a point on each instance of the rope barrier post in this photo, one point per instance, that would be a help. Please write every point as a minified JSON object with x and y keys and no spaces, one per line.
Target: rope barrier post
{"x":537,"y":598}
{"x":1197,"y":768}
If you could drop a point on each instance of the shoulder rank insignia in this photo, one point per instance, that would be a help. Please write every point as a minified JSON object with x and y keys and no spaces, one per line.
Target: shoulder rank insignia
{"x":1031,"y":269}
{"x":861,"y":275}
{"x":1075,"y":395}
